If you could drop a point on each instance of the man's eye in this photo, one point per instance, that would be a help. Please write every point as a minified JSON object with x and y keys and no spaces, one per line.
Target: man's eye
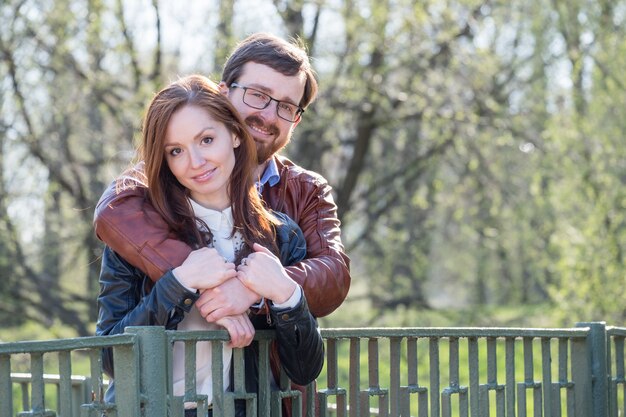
{"x":259,"y":95}
{"x":288,"y":108}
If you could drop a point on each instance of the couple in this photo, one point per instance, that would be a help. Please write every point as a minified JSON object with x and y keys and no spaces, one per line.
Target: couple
{"x":198,"y":249}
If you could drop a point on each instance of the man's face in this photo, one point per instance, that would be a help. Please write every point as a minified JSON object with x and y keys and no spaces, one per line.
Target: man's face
{"x":270,"y":132}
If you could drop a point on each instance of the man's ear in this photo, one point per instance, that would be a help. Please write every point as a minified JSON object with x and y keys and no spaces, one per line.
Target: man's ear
{"x":223,"y":88}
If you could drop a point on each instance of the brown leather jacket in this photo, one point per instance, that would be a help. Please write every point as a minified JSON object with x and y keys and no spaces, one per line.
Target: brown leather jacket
{"x":303,"y":195}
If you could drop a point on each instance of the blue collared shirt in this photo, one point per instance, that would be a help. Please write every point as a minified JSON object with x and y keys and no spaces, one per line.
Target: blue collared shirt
{"x":270,"y":176}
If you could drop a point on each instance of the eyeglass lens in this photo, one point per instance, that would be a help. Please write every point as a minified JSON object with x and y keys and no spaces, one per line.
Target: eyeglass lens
{"x":260,"y":100}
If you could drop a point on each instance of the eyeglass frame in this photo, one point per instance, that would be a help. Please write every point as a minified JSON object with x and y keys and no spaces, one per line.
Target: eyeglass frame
{"x":299,"y":110}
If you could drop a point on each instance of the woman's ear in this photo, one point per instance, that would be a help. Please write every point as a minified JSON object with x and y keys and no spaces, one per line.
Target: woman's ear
{"x":236,"y":142}
{"x":223,"y":88}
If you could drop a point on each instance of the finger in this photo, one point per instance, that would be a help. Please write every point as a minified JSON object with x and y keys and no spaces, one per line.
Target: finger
{"x":209,"y":310}
{"x":243,"y":276}
{"x":260,"y":248}
{"x":217,"y":314}
{"x":237,"y":333}
{"x":230,"y":273}
{"x":228,"y":325}
{"x":249,"y":332}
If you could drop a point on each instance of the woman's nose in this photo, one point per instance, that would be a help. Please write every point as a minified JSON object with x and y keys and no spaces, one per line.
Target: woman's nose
{"x":197,"y":158}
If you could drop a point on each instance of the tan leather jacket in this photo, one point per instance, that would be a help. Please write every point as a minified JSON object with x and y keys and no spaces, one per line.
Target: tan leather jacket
{"x":303,"y":195}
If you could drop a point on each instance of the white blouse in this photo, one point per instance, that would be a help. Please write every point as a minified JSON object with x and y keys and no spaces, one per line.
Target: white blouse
{"x":221,"y":226}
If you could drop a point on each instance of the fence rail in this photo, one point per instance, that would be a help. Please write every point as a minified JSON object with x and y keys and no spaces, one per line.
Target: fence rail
{"x":419,"y":372}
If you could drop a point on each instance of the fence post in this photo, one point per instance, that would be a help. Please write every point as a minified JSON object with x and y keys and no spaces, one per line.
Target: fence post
{"x":153,"y":365}
{"x":598,"y":360}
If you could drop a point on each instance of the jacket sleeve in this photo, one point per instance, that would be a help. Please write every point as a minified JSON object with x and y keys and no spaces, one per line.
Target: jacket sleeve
{"x":300,"y":345}
{"x":124,"y":302}
{"x":325,"y":273}
{"x":147,"y":245}
{"x":299,"y":342}
{"x":290,"y":240}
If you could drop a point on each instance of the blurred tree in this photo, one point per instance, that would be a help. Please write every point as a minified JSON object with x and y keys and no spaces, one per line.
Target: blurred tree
{"x":225,"y":40}
{"x":475,"y":146}
{"x":75,"y":110}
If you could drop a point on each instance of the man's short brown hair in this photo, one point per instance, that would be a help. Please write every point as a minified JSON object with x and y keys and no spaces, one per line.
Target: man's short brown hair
{"x":288,"y":58}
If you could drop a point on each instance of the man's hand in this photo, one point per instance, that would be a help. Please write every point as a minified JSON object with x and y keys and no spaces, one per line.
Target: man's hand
{"x":228,"y":299}
{"x":204,"y":268}
{"x":262,"y":273}
{"x":239,"y":328}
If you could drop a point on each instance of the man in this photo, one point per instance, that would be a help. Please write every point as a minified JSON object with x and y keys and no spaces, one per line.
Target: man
{"x":271,"y":83}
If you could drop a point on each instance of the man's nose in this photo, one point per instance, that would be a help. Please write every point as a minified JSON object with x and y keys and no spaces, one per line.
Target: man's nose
{"x":270,"y":112}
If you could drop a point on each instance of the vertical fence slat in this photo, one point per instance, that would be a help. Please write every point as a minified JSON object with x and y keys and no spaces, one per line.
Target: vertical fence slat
{"x":394,"y":377}
{"x":433,"y":348}
{"x":37,"y":393}
{"x":521,"y":400}
{"x":446,"y":403}
{"x":127,"y":380}
{"x":65,"y":385}
{"x":581,"y":376}
{"x":597,"y":340}
{"x":372,"y":363}
{"x":217,"y":364}
{"x":562,"y":379}
{"x":264,"y":399}
{"x":6,"y":387}
{"x":472,"y":346}
{"x":510,"y":375}
{"x":355,"y":376}
{"x":412,"y":376}
{"x":95,"y":366}
{"x":463,"y":403}
{"x":546,"y":367}
{"x":190,"y":364}
{"x":152,"y":359}
{"x":492,"y":361}
{"x":618,"y":344}
{"x":453,"y":356}
{"x":310,"y":401}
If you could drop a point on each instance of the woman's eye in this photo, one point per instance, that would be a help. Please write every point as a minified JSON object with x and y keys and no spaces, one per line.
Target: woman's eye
{"x":174,"y":151}
{"x":207,"y":140}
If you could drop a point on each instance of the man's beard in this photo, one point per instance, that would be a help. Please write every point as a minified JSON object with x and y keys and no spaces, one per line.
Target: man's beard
{"x":264,"y":150}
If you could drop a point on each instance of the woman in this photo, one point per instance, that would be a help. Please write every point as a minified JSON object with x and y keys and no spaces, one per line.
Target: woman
{"x":199,"y":163}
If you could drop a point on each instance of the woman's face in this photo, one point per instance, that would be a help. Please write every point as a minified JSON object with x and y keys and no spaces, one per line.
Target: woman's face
{"x":200,"y":153}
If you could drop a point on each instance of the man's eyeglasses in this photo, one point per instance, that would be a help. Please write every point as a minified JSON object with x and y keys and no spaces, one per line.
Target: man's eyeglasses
{"x":260,"y":100}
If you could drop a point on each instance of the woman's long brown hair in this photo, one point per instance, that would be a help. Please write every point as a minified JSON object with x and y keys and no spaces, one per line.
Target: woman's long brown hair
{"x":170,"y":198}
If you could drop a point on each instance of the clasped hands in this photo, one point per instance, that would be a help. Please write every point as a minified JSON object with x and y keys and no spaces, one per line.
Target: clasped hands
{"x":228,"y":290}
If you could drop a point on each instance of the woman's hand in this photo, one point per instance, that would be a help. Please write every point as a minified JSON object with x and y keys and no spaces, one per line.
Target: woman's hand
{"x":239,"y":328}
{"x":204,"y":268}
{"x":262,"y":273}
{"x":227,"y":299}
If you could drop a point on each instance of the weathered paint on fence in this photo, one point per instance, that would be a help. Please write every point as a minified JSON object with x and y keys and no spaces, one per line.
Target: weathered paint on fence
{"x":574,"y":372}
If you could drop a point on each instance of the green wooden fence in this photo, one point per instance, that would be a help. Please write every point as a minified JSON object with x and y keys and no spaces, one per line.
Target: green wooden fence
{"x":423,"y":372}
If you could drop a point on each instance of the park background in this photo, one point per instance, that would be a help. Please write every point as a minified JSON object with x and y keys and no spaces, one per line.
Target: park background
{"x":476,"y":148}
